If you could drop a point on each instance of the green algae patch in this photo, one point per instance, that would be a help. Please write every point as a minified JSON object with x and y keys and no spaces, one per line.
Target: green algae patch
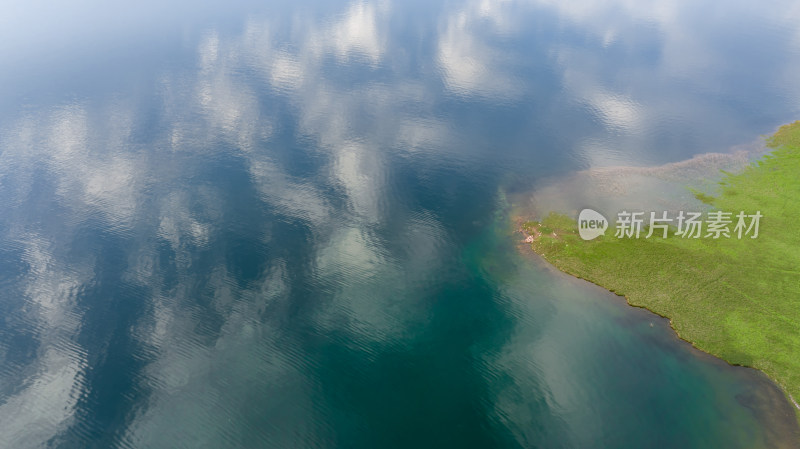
{"x":736,"y":298}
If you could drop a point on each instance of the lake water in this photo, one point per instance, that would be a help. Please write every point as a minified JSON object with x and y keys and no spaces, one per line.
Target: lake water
{"x":286,"y":225}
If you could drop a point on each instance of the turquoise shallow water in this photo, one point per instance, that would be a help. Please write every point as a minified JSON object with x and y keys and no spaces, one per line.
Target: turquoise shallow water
{"x":284,"y":225}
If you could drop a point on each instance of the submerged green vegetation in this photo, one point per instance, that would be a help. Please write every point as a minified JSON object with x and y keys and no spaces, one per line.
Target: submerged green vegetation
{"x":738,"y":299}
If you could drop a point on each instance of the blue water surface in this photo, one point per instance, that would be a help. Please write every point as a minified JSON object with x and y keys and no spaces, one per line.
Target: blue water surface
{"x":285,"y":224}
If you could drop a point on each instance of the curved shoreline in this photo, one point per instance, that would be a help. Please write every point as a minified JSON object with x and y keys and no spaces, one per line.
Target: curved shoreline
{"x":723,"y":323}
{"x":534,"y":236}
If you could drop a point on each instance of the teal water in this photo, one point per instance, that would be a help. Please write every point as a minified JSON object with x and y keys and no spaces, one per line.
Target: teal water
{"x":284,"y":224}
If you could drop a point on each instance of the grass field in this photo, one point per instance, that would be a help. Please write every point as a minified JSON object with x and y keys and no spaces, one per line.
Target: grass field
{"x":738,"y":299}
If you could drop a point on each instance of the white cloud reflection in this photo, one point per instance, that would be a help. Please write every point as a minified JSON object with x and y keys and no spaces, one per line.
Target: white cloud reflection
{"x":471,"y":61}
{"x":52,"y":385}
{"x":236,"y":99}
{"x":87,"y":151}
{"x":357,"y":33}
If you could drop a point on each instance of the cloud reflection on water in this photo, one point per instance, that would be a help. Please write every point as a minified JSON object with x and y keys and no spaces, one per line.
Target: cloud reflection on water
{"x":124,"y":172}
{"x":99,"y":174}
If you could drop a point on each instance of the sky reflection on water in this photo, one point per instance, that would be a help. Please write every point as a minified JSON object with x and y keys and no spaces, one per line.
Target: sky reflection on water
{"x":256,"y":224}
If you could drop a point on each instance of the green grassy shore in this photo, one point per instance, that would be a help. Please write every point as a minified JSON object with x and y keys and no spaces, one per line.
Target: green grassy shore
{"x":738,"y":299}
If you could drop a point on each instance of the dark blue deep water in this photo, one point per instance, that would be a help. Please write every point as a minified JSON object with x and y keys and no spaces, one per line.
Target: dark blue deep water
{"x":286,"y":225}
